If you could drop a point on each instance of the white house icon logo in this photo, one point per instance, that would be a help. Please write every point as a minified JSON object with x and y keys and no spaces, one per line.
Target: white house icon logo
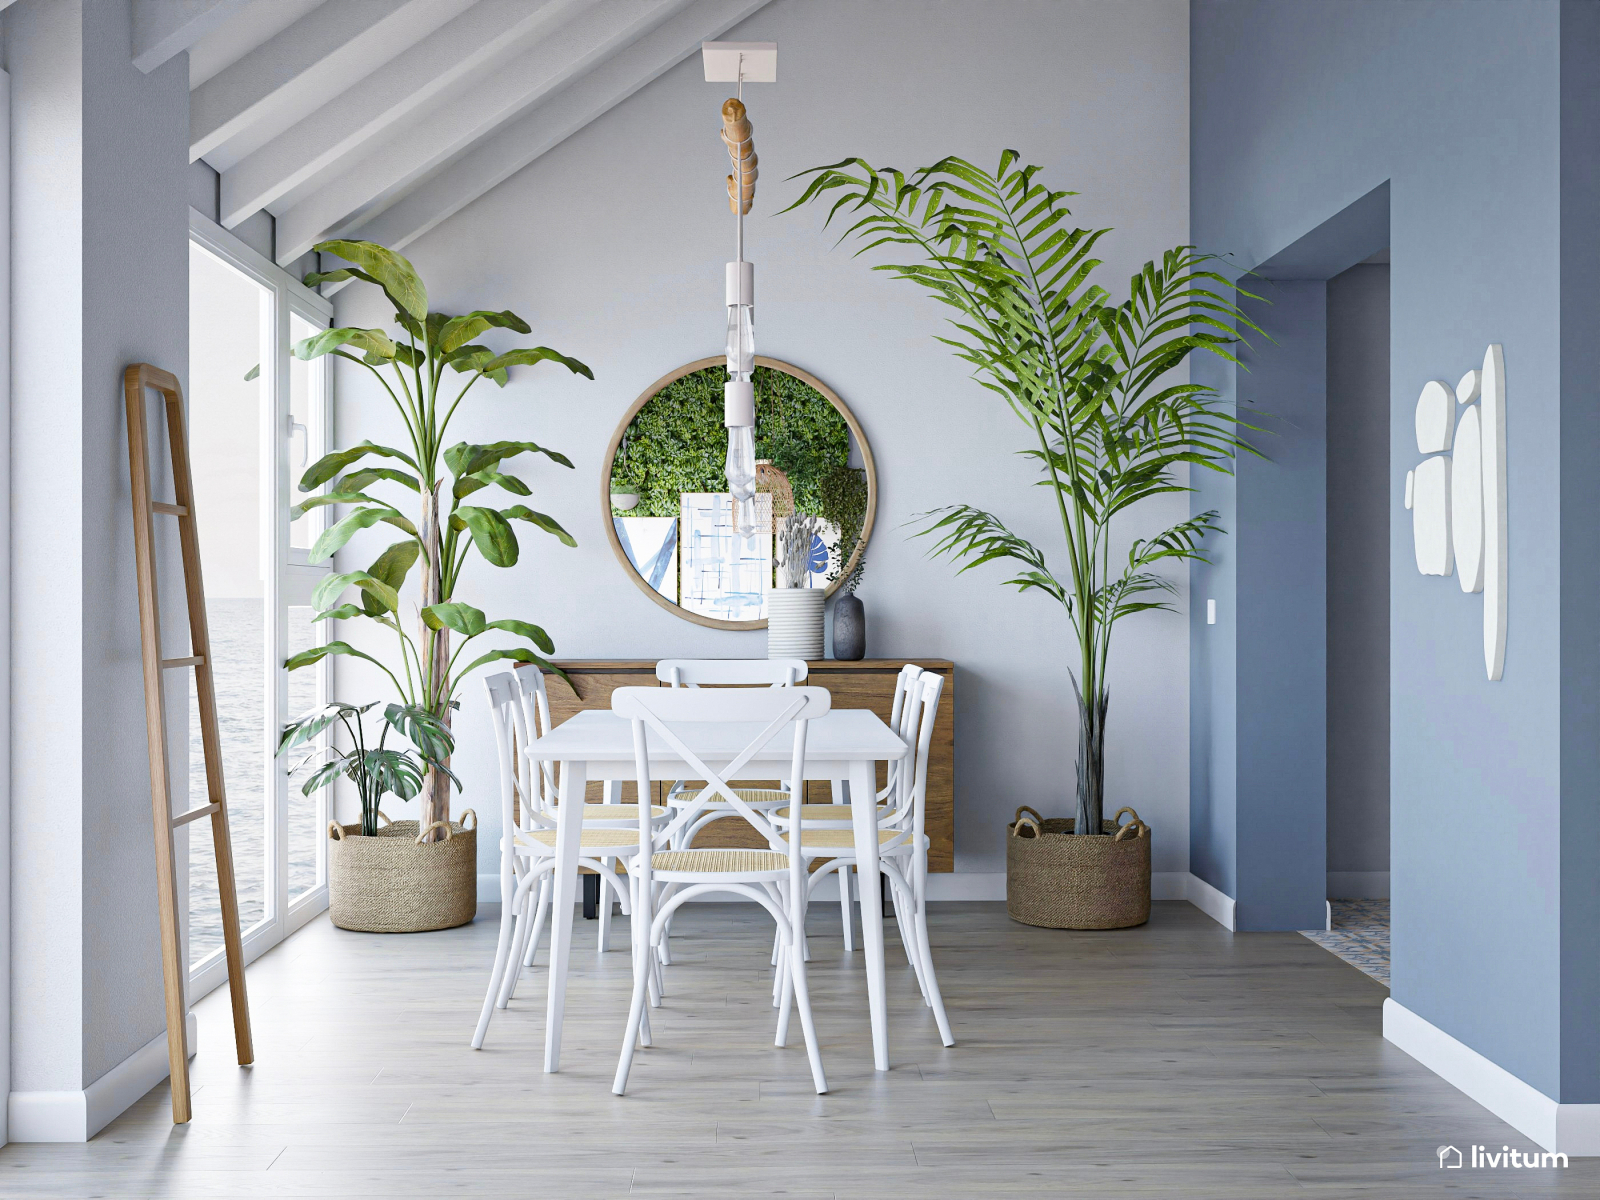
{"x":1449,"y":1156}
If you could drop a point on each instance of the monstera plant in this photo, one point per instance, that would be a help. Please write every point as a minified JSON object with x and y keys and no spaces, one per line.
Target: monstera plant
{"x":426,"y":366}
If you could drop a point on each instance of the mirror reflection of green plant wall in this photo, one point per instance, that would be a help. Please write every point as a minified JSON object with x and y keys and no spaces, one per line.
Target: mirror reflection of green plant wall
{"x":677,"y":442}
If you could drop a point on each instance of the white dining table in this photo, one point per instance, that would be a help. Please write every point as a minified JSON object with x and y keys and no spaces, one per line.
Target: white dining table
{"x":845,"y":744}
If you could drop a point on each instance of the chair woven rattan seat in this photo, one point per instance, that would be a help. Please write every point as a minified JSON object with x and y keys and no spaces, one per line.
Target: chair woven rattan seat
{"x":729,"y":860}
{"x":593,"y":839}
{"x":838,"y":839}
{"x":754,"y":797}
{"x":827,"y":812}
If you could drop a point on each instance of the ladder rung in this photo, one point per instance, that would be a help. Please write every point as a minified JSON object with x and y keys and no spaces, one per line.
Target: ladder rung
{"x":196,"y":661}
{"x":194,"y":814}
{"x":177,"y":510}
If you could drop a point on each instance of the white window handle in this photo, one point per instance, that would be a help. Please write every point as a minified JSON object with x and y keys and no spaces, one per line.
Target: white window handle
{"x":305,"y":446}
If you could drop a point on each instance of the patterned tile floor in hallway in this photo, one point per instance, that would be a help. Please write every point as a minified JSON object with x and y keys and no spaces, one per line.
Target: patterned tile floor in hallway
{"x":1360,"y":936}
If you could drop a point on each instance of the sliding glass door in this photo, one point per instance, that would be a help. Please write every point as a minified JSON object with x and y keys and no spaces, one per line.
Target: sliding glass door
{"x":257,"y":416}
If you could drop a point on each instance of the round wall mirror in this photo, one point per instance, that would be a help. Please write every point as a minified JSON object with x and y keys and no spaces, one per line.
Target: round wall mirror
{"x":672,"y":517}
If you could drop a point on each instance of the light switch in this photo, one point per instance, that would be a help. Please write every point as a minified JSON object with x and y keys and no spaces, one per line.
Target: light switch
{"x":1211,"y":612}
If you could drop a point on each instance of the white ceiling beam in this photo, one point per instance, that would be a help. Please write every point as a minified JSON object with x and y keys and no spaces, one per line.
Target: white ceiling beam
{"x":260,"y":21}
{"x":497,"y":158}
{"x":163,"y":29}
{"x":479,"y":40}
{"x":300,"y":69}
{"x":377,"y":178}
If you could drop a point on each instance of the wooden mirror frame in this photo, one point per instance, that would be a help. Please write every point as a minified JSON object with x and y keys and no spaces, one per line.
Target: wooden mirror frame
{"x":649,"y":394}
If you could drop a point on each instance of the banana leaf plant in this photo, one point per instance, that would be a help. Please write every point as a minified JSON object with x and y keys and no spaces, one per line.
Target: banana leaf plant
{"x":1090,"y":379}
{"x":380,"y":770}
{"x":426,"y":366}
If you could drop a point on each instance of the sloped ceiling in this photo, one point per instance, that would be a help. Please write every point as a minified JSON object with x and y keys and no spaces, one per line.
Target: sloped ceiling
{"x":380,"y":118}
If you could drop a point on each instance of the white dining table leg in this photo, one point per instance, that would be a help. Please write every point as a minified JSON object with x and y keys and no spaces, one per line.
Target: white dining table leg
{"x":569,"y":835}
{"x":864,"y":819}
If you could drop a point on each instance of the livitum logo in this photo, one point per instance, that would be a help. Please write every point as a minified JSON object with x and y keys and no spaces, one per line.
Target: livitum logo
{"x":1482,"y":1156}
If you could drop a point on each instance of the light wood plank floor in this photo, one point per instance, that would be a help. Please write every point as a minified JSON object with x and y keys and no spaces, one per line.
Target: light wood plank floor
{"x":1175,"y":1060}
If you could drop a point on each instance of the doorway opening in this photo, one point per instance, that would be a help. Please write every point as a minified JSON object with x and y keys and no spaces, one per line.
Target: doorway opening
{"x":1359,"y":496}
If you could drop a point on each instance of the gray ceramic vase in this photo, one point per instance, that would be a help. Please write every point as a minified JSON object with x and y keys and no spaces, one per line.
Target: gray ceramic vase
{"x":849,"y":628}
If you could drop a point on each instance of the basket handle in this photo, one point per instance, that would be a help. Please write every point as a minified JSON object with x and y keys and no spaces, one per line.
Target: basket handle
{"x":1134,"y":828}
{"x":336,"y":831}
{"x":382,"y":817}
{"x":464,"y":815}
{"x":444,"y":825}
{"x":1032,"y":820}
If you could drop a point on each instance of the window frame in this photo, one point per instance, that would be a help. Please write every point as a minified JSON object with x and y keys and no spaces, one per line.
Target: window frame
{"x":289,"y":581}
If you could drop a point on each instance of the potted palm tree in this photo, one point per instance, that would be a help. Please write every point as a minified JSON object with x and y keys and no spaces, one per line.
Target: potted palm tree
{"x":426,"y":366}
{"x":1108,"y":426}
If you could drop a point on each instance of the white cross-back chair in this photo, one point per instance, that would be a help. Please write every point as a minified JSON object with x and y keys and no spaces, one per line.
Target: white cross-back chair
{"x":538,"y":780}
{"x":731,"y":672}
{"x":724,"y":672}
{"x":774,"y":878}
{"x":837,"y":816}
{"x":902,"y":842}
{"x":541,"y":782}
{"x":527,"y":845}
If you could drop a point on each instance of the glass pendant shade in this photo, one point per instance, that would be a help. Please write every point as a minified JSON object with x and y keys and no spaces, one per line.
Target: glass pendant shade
{"x":741,"y":468}
{"x":738,"y":396}
{"x":741,"y":340}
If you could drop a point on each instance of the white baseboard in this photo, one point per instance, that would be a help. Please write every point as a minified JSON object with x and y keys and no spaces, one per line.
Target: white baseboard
{"x":78,"y":1116}
{"x":1164,"y":885}
{"x":1572,"y":1129}
{"x":1358,"y":885}
{"x":1214,"y":903}
{"x":988,"y":885}
{"x":963,"y":885}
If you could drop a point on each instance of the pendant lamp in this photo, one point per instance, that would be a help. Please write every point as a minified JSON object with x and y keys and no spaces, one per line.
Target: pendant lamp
{"x":741,"y":63}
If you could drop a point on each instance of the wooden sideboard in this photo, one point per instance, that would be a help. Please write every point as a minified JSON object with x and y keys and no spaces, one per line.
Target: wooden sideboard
{"x":865,"y":684}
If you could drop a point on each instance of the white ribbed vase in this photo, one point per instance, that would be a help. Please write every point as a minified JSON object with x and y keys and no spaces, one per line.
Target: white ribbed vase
{"x":794,"y":622}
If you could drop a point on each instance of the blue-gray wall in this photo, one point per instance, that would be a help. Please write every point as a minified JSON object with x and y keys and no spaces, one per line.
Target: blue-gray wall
{"x":1580,"y":552}
{"x":1299,"y":109}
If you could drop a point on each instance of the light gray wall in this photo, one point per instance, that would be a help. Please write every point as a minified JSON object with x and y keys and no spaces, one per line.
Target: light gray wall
{"x":612,"y":246}
{"x":44,"y":57}
{"x":1358,"y":572}
{"x":100,"y":232}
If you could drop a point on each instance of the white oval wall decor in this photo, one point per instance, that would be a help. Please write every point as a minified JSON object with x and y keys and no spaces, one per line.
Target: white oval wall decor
{"x":1466,"y":501}
{"x":1430,"y":515}
{"x":1458,"y":501}
{"x":1494,"y":511}
{"x":1436,"y":417}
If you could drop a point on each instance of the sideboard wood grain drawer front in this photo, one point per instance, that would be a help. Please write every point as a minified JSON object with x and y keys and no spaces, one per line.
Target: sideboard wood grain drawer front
{"x":868,"y":683}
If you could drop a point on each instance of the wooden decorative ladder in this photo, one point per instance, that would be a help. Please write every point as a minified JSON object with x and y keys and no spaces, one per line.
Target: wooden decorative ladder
{"x":174,"y":970}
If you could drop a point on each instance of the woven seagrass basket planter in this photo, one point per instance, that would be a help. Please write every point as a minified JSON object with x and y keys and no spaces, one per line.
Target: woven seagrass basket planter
{"x":392,"y":883}
{"x":1058,"y":880}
